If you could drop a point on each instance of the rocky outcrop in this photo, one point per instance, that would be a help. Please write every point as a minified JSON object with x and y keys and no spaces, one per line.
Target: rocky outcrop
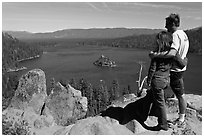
{"x":33,"y":112}
{"x":13,"y":123}
{"x":132,"y":112}
{"x":26,"y":105}
{"x":31,"y":91}
{"x":193,"y":115}
{"x":193,"y":119}
{"x":95,"y":126}
{"x":66,"y":104}
{"x":194,"y":102}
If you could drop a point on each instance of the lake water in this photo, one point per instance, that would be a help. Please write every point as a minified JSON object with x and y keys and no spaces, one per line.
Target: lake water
{"x":77,"y":62}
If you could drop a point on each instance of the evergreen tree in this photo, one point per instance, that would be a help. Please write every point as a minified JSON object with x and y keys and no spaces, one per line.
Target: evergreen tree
{"x":115,"y":90}
{"x":129,"y":91}
{"x":83,"y":85}
{"x":73,"y":83}
{"x":63,"y":82}
{"x":52,"y":85}
{"x":90,"y":100}
{"x":124,"y":91}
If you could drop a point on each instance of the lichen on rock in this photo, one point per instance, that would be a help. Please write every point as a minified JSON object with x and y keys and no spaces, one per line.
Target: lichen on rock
{"x":96,"y":126}
{"x":31,"y":91}
{"x":66,"y":105}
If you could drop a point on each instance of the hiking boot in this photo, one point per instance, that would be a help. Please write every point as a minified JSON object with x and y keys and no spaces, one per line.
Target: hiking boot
{"x":159,"y":127}
{"x":170,"y":124}
{"x":180,"y":124}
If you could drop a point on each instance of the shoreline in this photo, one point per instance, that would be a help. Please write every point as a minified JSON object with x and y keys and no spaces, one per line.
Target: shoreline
{"x":16,"y":69}
{"x":37,"y":56}
{"x":21,"y":68}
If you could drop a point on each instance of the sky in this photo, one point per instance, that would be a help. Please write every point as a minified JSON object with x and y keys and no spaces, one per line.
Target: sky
{"x":52,"y":16}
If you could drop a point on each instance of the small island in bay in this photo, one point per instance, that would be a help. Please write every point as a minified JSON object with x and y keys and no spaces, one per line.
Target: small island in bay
{"x":104,"y":61}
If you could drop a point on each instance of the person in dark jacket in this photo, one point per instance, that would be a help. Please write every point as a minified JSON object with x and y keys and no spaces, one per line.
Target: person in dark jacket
{"x":159,"y":76}
{"x":179,"y":46}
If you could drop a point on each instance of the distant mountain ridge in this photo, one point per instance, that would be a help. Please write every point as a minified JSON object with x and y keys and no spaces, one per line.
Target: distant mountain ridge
{"x":84,"y":33}
{"x":146,"y":41}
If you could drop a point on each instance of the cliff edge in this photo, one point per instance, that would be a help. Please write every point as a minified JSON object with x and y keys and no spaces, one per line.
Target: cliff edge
{"x":63,"y":112}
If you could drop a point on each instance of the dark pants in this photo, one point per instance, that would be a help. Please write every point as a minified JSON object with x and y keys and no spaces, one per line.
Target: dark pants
{"x":177,"y":85}
{"x":157,"y":87}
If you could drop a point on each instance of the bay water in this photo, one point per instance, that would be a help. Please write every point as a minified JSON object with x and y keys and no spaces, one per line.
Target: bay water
{"x":66,"y":62}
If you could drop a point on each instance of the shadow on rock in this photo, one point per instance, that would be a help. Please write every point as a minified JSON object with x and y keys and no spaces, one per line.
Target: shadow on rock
{"x":138,"y":110}
{"x":115,"y":113}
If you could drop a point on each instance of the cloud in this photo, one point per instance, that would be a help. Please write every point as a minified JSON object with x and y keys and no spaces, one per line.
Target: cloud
{"x":157,"y":5}
{"x":105,"y":5}
{"x":100,"y":6}
{"x":93,"y":6}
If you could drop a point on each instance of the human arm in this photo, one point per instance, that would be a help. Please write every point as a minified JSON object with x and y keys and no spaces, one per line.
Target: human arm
{"x":181,"y":63}
{"x":151,"y":71}
{"x":165,"y":54}
{"x":172,"y":51}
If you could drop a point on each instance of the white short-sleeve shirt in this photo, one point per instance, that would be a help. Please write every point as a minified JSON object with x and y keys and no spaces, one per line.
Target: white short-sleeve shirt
{"x":181,"y":44}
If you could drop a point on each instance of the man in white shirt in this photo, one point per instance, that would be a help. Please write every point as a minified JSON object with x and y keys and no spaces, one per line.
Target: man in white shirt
{"x":180,"y":45}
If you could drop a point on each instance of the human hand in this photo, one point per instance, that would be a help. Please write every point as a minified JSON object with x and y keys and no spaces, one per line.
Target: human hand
{"x":148,"y":83}
{"x":185,"y":61}
{"x":153,"y":54}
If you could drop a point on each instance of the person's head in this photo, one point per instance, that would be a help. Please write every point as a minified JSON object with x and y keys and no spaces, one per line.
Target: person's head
{"x":164,"y":40}
{"x":172,"y":22}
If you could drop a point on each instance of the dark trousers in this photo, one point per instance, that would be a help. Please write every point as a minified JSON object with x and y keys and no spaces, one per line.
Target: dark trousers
{"x":158,"y":85}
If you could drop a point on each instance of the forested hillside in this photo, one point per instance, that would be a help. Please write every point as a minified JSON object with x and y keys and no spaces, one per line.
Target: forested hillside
{"x":13,"y":50}
{"x":195,"y":38}
{"x":148,"y":41}
{"x":92,"y":33}
{"x":133,"y":39}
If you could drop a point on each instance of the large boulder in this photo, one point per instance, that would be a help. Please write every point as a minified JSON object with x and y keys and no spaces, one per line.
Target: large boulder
{"x":95,"y":126}
{"x":194,"y":102}
{"x":32,"y":112}
{"x":13,"y":122}
{"x":124,"y":100}
{"x":31,"y":91}
{"x":66,"y":104}
{"x":24,"y":114}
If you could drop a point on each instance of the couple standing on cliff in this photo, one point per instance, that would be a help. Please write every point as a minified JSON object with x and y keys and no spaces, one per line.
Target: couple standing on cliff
{"x":168,"y":61}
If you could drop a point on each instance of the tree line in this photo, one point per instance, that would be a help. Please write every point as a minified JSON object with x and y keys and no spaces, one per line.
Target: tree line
{"x":99,"y":97}
{"x":13,"y":50}
{"x":147,"y":41}
{"x":195,"y":39}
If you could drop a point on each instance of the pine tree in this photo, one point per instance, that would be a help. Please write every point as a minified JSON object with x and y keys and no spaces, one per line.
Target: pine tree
{"x":73,"y":83}
{"x":52,"y":85}
{"x":115,"y":90}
